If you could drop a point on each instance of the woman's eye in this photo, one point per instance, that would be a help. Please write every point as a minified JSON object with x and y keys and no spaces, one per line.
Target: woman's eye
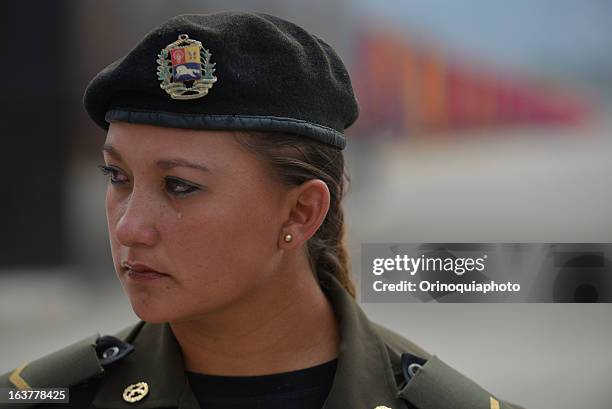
{"x":178,"y":187}
{"x":112,"y":172}
{"x":173,"y":185}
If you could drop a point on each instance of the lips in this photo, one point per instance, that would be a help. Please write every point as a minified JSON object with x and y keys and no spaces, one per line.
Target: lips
{"x":139,"y":271}
{"x":139,"y":268}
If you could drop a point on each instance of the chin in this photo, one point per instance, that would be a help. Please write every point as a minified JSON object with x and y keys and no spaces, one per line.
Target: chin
{"x":152,"y":312}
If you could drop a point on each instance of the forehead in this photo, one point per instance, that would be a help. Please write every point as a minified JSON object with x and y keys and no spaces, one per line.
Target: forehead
{"x":149,"y":140}
{"x":132,"y":136}
{"x":139,"y":144}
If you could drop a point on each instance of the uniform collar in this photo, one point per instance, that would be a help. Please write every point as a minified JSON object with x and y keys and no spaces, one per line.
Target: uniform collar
{"x":364,"y":375}
{"x":156,"y":360}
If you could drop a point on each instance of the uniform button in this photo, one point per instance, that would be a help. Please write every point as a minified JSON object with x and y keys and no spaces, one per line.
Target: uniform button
{"x":110,"y":352}
{"x":413,"y":369}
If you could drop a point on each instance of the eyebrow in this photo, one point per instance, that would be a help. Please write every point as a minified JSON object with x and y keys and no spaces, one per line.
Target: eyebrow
{"x":111,"y":151}
{"x":165,"y":164}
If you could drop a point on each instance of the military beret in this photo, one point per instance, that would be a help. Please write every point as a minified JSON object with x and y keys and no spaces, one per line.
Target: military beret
{"x":231,"y":70}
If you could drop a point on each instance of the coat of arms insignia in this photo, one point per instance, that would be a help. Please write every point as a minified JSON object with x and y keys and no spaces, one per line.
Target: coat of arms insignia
{"x":185,"y":70}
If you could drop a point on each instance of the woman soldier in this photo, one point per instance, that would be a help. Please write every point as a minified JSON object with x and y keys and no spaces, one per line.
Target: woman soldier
{"x":224,"y":153}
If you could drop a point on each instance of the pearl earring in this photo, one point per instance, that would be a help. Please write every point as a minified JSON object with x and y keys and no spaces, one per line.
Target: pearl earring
{"x":288,"y":238}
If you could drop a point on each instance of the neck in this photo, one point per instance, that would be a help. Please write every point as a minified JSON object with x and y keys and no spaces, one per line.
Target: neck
{"x":285,"y":325}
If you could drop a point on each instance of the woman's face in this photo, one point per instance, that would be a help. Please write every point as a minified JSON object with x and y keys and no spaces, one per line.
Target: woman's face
{"x":195,"y":206}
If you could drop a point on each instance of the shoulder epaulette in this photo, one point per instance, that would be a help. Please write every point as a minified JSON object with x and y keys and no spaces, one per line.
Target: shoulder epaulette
{"x":432,"y":384}
{"x":70,"y":366}
{"x":426,"y":382}
{"x":63,"y":368}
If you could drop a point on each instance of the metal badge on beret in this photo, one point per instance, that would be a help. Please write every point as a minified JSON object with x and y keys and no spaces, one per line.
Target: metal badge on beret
{"x":185,"y":70}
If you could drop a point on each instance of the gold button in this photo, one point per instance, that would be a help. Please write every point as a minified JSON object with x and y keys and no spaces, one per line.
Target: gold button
{"x":135,"y":392}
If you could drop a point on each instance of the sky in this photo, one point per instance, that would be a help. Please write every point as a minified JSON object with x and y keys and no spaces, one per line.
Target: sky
{"x":568,"y":35}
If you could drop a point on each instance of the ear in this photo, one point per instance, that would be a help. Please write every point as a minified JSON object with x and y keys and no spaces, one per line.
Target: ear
{"x":308,"y":205}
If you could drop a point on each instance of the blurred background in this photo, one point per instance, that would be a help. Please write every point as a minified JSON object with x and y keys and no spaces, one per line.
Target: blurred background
{"x":481,"y":121}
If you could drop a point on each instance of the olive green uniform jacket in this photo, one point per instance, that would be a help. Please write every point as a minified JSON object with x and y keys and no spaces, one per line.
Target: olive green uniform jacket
{"x":369,"y":371}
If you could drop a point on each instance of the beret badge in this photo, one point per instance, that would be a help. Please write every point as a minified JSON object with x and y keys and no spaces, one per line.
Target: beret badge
{"x":184,"y":69}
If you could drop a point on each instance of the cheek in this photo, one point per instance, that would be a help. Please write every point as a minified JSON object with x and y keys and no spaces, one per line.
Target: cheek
{"x":231,"y":242}
{"x":111,"y":218}
{"x":218,"y":247}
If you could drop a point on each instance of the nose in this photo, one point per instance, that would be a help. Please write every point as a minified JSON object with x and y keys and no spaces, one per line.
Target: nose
{"x":136,"y":226}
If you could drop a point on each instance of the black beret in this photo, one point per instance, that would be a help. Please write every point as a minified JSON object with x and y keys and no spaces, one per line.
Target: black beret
{"x":231,"y":70}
